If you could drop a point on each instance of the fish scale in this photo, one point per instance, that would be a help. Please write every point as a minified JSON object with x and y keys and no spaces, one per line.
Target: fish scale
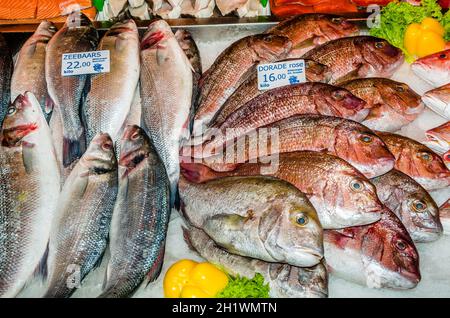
{"x":6,"y":69}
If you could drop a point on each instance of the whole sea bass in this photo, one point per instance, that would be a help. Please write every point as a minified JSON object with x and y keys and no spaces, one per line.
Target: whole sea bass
{"x":438,"y":100}
{"x":257,"y":217}
{"x":439,"y":138}
{"x":392,"y":104}
{"x":315,"y":72}
{"x":411,"y":203}
{"x":231,"y":68}
{"x":307,"y":31}
{"x":6,"y":69}
{"x":355,"y":57}
{"x":80,"y":228}
{"x":166,"y":90}
{"x":380,"y":255}
{"x":347,"y":139}
{"x":417,"y":161}
{"x":341,"y":195}
{"x":109,"y":100}
{"x":29,"y":71}
{"x":285,"y":281}
{"x":434,"y":68}
{"x":140,"y":217}
{"x":281,"y":103}
{"x":29,"y":189}
{"x":67,"y":92}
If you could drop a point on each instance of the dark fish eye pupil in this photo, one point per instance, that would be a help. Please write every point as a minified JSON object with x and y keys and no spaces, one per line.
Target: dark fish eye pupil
{"x":379,"y":45}
{"x":443,"y":56}
{"x":302,"y":220}
{"x":400,"y":89}
{"x":11,"y":110}
{"x":426,"y":156}
{"x":401,"y":246}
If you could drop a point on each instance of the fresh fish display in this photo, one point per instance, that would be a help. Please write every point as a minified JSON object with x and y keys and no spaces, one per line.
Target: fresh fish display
{"x":109,"y":100}
{"x":435,"y":68}
{"x":231,"y":68}
{"x":439,"y":138}
{"x":29,"y":70}
{"x":79,"y":231}
{"x":67,"y":92}
{"x":417,"y":161}
{"x":392,"y":104}
{"x":257,"y":217}
{"x":28,"y":193}
{"x":166,"y":91}
{"x":438,"y":100}
{"x":380,"y":255}
{"x":444,"y":214}
{"x":341,"y":195}
{"x":411,"y":203}
{"x":356,"y":57}
{"x":344,"y":138}
{"x":6,"y":69}
{"x":142,"y":208}
{"x":310,"y":30}
{"x":285,"y":281}
{"x":315,"y":72}
{"x":281,"y":103}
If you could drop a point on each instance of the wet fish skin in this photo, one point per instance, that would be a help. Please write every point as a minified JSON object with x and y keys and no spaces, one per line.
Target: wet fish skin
{"x":341,"y":195}
{"x":231,"y":68}
{"x":446,"y":158}
{"x":438,"y":100}
{"x":417,"y":161}
{"x":6,"y":69}
{"x":392,"y":104}
{"x":411,"y":203}
{"x":356,"y":57}
{"x":379,"y":255}
{"x":257,"y":217}
{"x":277,"y":104}
{"x":434,"y":68}
{"x":29,"y":70}
{"x":29,"y":189}
{"x":142,"y":208}
{"x":444,"y":213}
{"x":79,"y":231}
{"x":310,"y":30}
{"x":346,"y":139}
{"x":166,"y":99}
{"x":67,"y":92}
{"x":438,"y":138}
{"x":285,"y":281}
{"x":315,"y":72}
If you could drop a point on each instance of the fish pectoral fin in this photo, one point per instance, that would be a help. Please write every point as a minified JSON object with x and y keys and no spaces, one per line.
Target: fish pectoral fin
{"x":27,"y":156}
{"x":349,"y":76}
{"x":234,"y":222}
{"x":41,"y":270}
{"x":49,"y":105}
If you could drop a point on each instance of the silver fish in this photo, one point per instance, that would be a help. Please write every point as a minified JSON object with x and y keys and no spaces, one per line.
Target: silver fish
{"x":6,"y":69}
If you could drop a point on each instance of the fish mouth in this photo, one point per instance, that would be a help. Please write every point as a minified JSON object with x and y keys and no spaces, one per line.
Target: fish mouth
{"x":426,"y":235}
{"x":309,"y":257}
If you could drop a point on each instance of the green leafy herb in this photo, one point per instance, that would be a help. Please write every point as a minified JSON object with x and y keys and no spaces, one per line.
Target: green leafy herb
{"x":264,"y":3}
{"x":446,"y":23}
{"x":396,"y":17}
{"x":242,"y":287}
{"x":99,"y":4}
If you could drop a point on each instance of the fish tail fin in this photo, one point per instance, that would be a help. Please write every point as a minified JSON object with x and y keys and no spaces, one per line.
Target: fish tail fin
{"x":197,"y":173}
{"x":42,"y":269}
{"x":72,"y":150}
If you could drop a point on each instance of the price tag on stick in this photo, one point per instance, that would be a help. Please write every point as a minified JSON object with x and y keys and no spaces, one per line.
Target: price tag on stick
{"x":279,"y":74}
{"x":82,"y":63}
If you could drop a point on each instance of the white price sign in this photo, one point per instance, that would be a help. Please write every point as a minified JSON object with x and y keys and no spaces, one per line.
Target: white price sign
{"x":279,"y":74}
{"x":82,"y":63}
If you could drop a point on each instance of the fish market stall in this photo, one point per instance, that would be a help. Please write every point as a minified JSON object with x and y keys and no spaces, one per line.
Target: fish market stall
{"x":348,"y":187}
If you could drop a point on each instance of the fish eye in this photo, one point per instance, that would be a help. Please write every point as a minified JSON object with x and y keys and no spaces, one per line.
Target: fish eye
{"x":400,"y":89}
{"x":107,"y":146}
{"x":419,"y":206}
{"x":379,"y":45}
{"x":366,"y":139}
{"x":52,"y":28}
{"x":356,"y":185}
{"x":443,"y":56}
{"x":337,"y":20}
{"x":302,"y":219}
{"x":338,"y":95}
{"x":11,"y":111}
{"x":135,"y":136}
{"x":400,"y":245}
{"x":268,"y":39}
{"x":426,"y":156}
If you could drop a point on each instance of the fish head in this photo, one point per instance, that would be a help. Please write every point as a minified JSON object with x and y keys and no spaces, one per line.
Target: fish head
{"x":420,"y":214}
{"x":45,"y":31}
{"x":382,"y":57}
{"x":401,"y":98}
{"x":271,"y":47}
{"x":317,"y":72}
{"x":389,"y":256}
{"x":135,"y":147}
{"x":434,"y":67}
{"x":337,"y":27}
{"x":342,"y":102}
{"x":23,"y":117}
{"x":440,"y":136}
{"x":100,"y":157}
{"x":428,"y":168}
{"x":363,"y":149}
{"x":291,"y":231}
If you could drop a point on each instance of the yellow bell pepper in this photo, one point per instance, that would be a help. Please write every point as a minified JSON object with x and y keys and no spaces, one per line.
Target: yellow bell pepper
{"x":425,"y":38}
{"x":189,"y":279}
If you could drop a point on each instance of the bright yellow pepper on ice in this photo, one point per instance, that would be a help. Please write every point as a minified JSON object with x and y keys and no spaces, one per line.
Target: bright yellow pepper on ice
{"x":189,"y":279}
{"x":425,"y":38}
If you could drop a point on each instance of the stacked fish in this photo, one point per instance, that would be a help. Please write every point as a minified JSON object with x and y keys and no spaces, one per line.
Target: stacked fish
{"x":362,"y":198}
